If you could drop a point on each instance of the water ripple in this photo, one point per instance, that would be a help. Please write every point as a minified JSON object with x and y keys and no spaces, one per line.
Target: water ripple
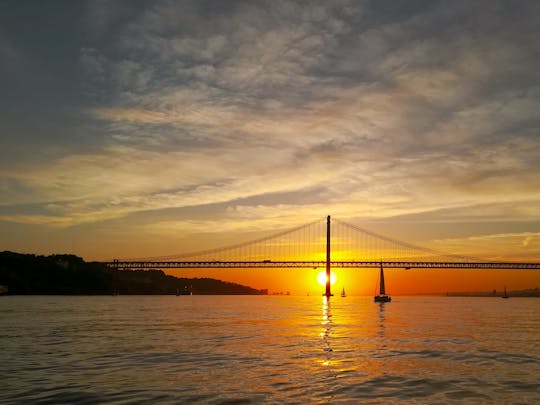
{"x":226,"y":350}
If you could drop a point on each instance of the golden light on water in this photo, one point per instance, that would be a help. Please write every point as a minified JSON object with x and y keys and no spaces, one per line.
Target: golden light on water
{"x":321,"y":278}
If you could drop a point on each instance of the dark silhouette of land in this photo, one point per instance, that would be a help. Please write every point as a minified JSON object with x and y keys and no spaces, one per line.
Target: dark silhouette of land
{"x":69,"y":274}
{"x":531,"y":292}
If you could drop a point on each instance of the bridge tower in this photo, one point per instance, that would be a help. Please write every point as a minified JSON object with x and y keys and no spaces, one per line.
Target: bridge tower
{"x":328,"y":293}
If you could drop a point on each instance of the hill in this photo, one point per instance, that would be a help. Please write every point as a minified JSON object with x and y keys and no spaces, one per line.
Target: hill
{"x":69,"y":274}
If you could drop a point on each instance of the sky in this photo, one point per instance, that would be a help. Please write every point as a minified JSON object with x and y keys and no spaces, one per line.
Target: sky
{"x":148,"y":128}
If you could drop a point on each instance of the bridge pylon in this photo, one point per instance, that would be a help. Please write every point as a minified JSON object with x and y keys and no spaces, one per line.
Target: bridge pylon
{"x":328,"y":293}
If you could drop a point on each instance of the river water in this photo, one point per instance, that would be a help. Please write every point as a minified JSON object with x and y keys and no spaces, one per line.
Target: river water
{"x":269,"y":349}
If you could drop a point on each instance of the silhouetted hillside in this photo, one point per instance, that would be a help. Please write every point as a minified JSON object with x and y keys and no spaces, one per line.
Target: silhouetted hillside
{"x":531,"y":292}
{"x":69,"y":274}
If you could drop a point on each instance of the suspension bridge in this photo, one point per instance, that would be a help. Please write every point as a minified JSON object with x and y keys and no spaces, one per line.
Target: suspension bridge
{"x":320,"y":244}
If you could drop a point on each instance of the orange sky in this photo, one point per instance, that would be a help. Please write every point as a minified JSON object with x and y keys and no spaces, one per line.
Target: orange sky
{"x":364,"y":281}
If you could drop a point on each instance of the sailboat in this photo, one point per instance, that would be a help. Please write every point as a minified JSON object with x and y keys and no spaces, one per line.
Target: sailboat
{"x":505,"y":295}
{"x":382,"y":297}
{"x":343,"y":293}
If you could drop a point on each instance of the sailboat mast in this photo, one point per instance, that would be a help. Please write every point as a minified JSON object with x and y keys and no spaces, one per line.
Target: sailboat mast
{"x":382,"y":292}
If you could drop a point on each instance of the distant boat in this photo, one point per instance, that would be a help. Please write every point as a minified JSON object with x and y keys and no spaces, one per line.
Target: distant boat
{"x":505,"y":295}
{"x":382,"y":297}
{"x":343,"y":293}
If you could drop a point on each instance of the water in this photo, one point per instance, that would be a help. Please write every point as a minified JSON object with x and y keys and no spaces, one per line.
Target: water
{"x":250,"y":349}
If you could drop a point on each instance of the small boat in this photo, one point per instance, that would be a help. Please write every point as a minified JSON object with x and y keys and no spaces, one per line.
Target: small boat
{"x":343,"y":293}
{"x":382,"y":297}
{"x":505,"y":295}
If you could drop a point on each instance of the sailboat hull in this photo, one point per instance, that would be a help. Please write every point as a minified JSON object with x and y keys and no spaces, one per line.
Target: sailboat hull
{"x":382,"y":298}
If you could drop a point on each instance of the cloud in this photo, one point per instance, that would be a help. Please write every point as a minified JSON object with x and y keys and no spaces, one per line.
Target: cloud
{"x":280,"y":112}
{"x":502,"y":246}
{"x":527,"y":240}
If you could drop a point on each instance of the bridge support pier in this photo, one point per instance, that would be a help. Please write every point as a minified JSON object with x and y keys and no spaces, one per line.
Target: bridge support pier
{"x":328,"y":293}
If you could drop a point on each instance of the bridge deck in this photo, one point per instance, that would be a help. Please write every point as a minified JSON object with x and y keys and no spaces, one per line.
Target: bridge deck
{"x":133,"y":265}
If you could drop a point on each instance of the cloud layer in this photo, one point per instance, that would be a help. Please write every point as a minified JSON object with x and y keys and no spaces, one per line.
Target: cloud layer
{"x":261,"y":114}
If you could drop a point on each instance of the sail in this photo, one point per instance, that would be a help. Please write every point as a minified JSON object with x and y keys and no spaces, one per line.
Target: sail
{"x":382,"y":291}
{"x":382,"y":297}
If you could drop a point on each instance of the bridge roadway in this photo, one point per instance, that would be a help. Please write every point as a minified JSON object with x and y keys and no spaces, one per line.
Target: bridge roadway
{"x":147,"y":265}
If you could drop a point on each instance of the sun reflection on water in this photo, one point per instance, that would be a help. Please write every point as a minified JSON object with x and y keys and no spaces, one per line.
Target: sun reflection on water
{"x":327,"y":330}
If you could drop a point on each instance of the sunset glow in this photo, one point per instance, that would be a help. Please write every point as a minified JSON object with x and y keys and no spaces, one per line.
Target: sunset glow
{"x":321,"y":278}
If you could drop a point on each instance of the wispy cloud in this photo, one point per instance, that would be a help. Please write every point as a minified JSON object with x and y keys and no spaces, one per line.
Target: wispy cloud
{"x":503,"y":246}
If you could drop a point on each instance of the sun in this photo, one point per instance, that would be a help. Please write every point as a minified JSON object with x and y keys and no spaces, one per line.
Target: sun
{"x":321,"y":278}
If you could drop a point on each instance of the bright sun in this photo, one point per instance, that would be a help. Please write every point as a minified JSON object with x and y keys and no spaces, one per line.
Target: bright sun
{"x":321,"y":278}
